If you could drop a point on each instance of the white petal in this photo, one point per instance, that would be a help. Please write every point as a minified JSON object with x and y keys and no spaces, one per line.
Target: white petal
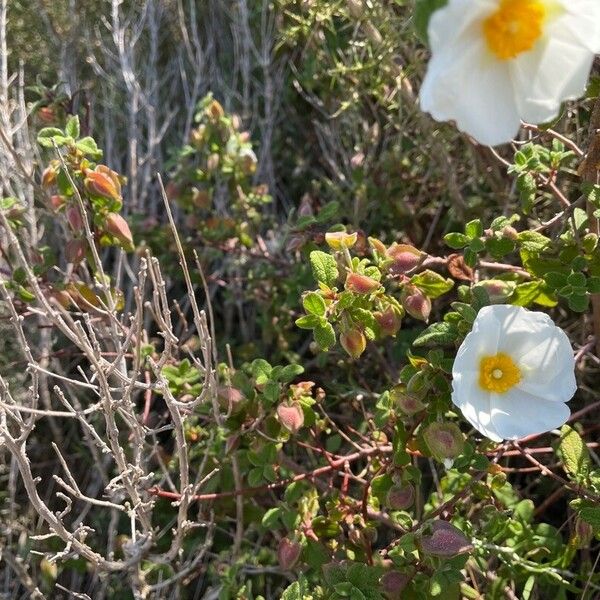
{"x":465,"y":83}
{"x":547,"y":76}
{"x":517,"y":414}
{"x":580,"y":21}
{"x":474,"y":403}
{"x":456,"y":19}
{"x":482,"y":340}
{"x":522,"y":330}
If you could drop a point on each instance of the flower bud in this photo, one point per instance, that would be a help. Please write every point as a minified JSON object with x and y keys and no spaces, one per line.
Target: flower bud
{"x":445,"y":540}
{"x":75,"y":251}
{"x":416,"y":303}
{"x":48,"y":177}
{"x":510,"y":233}
{"x":215,"y":110}
{"x":378,"y":246}
{"x":291,"y":416}
{"x":353,"y":342}
{"x":49,"y":569}
{"x":409,"y":404}
{"x":75,"y":219}
{"x":498,"y":290}
{"x":117,"y":226}
{"x":361,"y":284}
{"x":393,"y":584}
{"x":400,"y":497}
{"x":584,"y":533}
{"x":172,"y":190}
{"x":404,"y":258}
{"x":212,"y":162}
{"x":200,"y":198}
{"x":338,"y":240}
{"x":103,"y":182}
{"x":444,"y":440}
{"x":57,"y":201}
{"x":229,"y":397}
{"x":288,"y":553}
{"x":389,"y":320}
{"x":47,"y":115}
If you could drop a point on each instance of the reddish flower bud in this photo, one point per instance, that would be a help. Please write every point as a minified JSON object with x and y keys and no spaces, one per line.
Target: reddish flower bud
{"x":117,"y":226}
{"x":338,"y":240}
{"x":353,"y":342}
{"x":361,"y":284}
{"x":389,"y":320}
{"x":57,"y":202}
{"x":445,"y":540}
{"x":200,"y":198}
{"x":75,"y":219}
{"x":404,"y":258}
{"x":288,"y":553}
{"x":498,"y":290}
{"x":409,"y":404}
{"x":215,"y":110}
{"x":400,"y":497}
{"x":75,"y":251}
{"x":172,"y":190}
{"x":48,"y":177}
{"x":393,"y":584}
{"x":46,"y":114}
{"x":103,"y":183}
{"x":444,"y":440}
{"x":291,"y":416}
{"x":229,"y":397}
{"x":416,"y":303}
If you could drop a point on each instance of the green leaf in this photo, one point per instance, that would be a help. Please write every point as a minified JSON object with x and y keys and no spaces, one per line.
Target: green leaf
{"x":255,"y":477}
{"x":45,"y":136}
{"x":88,"y":146}
{"x":591,"y":515}
{"x":290,"y":372}
{"x":533,"y":241}
{"x":324,"y":267}
{"x":314,"y":304}
{"x":270,"y":518}
{"x":530,"y":292}
{"x":432,"y":283}
{"x":324,"y":336}
{"x":297,"y":591}
{"x":455,"y":240}
{"x":574,"y":453}
{"x":474,"y":229}
{"x":72,"y":127}
{"x":328,"y":212}
{"x":308,"y":322}
{"x":467,"y":312}
{"x":579,"y":302}
{"x":593,"y":285}
{"x":438,"y":333}
{"x":423,"y":11}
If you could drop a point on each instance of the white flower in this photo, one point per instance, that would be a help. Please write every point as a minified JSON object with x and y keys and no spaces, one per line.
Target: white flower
{"x":495,"y":62}
{"x":513,"y":373}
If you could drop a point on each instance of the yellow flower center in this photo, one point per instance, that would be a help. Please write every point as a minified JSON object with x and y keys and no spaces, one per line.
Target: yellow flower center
{"x":498,"y":373}
{"x":515,"y":27}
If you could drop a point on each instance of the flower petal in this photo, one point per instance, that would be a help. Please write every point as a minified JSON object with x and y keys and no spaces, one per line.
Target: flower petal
{"x":517,"y":414}
{"x":466,"y":83}
{"x":548,"y":370}
{"x":522,"y":330}
{"x":482,"y":340}
{"x":474,"y":403}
